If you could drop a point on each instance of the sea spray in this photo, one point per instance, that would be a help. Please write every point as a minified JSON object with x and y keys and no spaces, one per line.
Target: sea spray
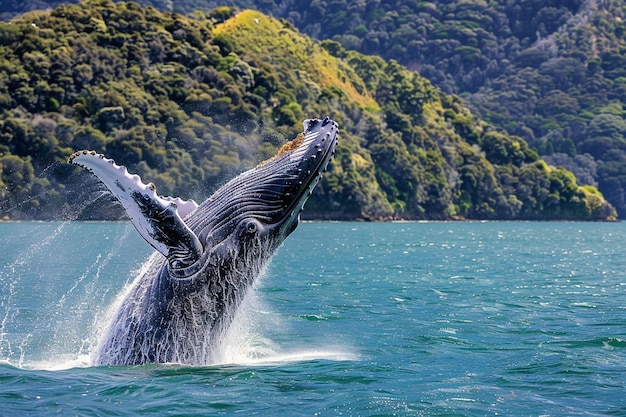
{"x":86,"y":292}
{"x":49,"y":297}
{"x":14,"y":343}
{"x":70,"y":307}
{"x":246,"y":340}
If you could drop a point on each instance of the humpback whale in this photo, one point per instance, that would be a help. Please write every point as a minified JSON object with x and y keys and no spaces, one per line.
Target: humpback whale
{"x":179,"y":307}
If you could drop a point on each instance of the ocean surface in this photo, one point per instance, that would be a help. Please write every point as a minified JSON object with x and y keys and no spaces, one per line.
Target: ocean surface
{"x":349,"y":319}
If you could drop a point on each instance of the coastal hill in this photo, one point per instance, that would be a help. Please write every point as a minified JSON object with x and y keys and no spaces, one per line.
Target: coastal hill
{"x":189,"y":101}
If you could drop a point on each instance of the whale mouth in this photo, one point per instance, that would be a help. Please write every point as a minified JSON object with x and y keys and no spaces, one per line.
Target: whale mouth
{"x":313,"y":151}
{"x":299,"y":166}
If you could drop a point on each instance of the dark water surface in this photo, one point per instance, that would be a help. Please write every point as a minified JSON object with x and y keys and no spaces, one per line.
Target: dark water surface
{"x":350,"y":319}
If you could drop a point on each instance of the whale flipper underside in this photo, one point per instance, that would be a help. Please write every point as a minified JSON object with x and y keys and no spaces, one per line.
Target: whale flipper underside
{"x":158,"y":219}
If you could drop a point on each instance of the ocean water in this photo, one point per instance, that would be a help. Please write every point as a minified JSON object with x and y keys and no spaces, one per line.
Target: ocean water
{"x":350,"y":319}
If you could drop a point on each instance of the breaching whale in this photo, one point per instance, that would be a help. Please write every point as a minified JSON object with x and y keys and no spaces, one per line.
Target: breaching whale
{"x":179,"y":308}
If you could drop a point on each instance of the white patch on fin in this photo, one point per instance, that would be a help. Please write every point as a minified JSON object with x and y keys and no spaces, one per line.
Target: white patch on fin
{"x":185,"y":207}
{"x":159,"y":220}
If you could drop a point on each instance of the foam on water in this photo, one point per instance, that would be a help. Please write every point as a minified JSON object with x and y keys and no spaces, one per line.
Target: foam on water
{"x":246,"y":342}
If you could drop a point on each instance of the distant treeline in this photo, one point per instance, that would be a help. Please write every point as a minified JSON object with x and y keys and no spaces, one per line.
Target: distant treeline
{"x":188,"y":102}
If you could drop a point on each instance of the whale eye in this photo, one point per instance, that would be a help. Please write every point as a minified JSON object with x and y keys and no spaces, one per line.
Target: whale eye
{"x":252,"y":227}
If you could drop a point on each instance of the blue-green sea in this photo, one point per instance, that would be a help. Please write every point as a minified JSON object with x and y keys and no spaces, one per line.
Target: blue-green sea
{"x":349,"y":319}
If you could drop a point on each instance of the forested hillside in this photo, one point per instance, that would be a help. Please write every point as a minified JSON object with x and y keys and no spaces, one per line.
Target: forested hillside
{"x":187,"y":102}
{"x":550,"y":71}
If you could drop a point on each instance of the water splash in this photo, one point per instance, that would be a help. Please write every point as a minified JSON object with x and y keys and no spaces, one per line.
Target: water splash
{"x":246,"y":341}
{"x":70,"y":303}
{"x":84,"y":300}
{"x":249,"y":340}
{"x":13,"y":349}
{"x":46,"y":310}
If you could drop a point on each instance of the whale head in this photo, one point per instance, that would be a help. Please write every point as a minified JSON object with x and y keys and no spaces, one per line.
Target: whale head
{"x":268,"y":199}
{"x":251,"y":215}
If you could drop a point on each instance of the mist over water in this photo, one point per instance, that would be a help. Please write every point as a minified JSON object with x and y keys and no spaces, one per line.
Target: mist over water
{"x":349,"y":318}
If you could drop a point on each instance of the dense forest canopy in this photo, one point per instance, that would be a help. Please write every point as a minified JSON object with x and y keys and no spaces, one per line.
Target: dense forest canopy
{"x":550,"y":71}
{"x":189,"y":101}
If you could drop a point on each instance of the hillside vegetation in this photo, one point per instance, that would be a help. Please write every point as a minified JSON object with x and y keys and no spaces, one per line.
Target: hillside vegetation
{"x":550,"y":71}
{"x":187,"y":102}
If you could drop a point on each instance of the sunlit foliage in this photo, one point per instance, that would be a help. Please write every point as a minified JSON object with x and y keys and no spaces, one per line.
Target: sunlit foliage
{"x":187,"y":102}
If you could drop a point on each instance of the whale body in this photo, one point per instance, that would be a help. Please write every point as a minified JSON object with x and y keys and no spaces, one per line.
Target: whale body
{"x":207,"y":255}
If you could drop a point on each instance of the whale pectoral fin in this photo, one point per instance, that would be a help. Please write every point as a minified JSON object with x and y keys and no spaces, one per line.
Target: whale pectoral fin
{"x":159,"y":220}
